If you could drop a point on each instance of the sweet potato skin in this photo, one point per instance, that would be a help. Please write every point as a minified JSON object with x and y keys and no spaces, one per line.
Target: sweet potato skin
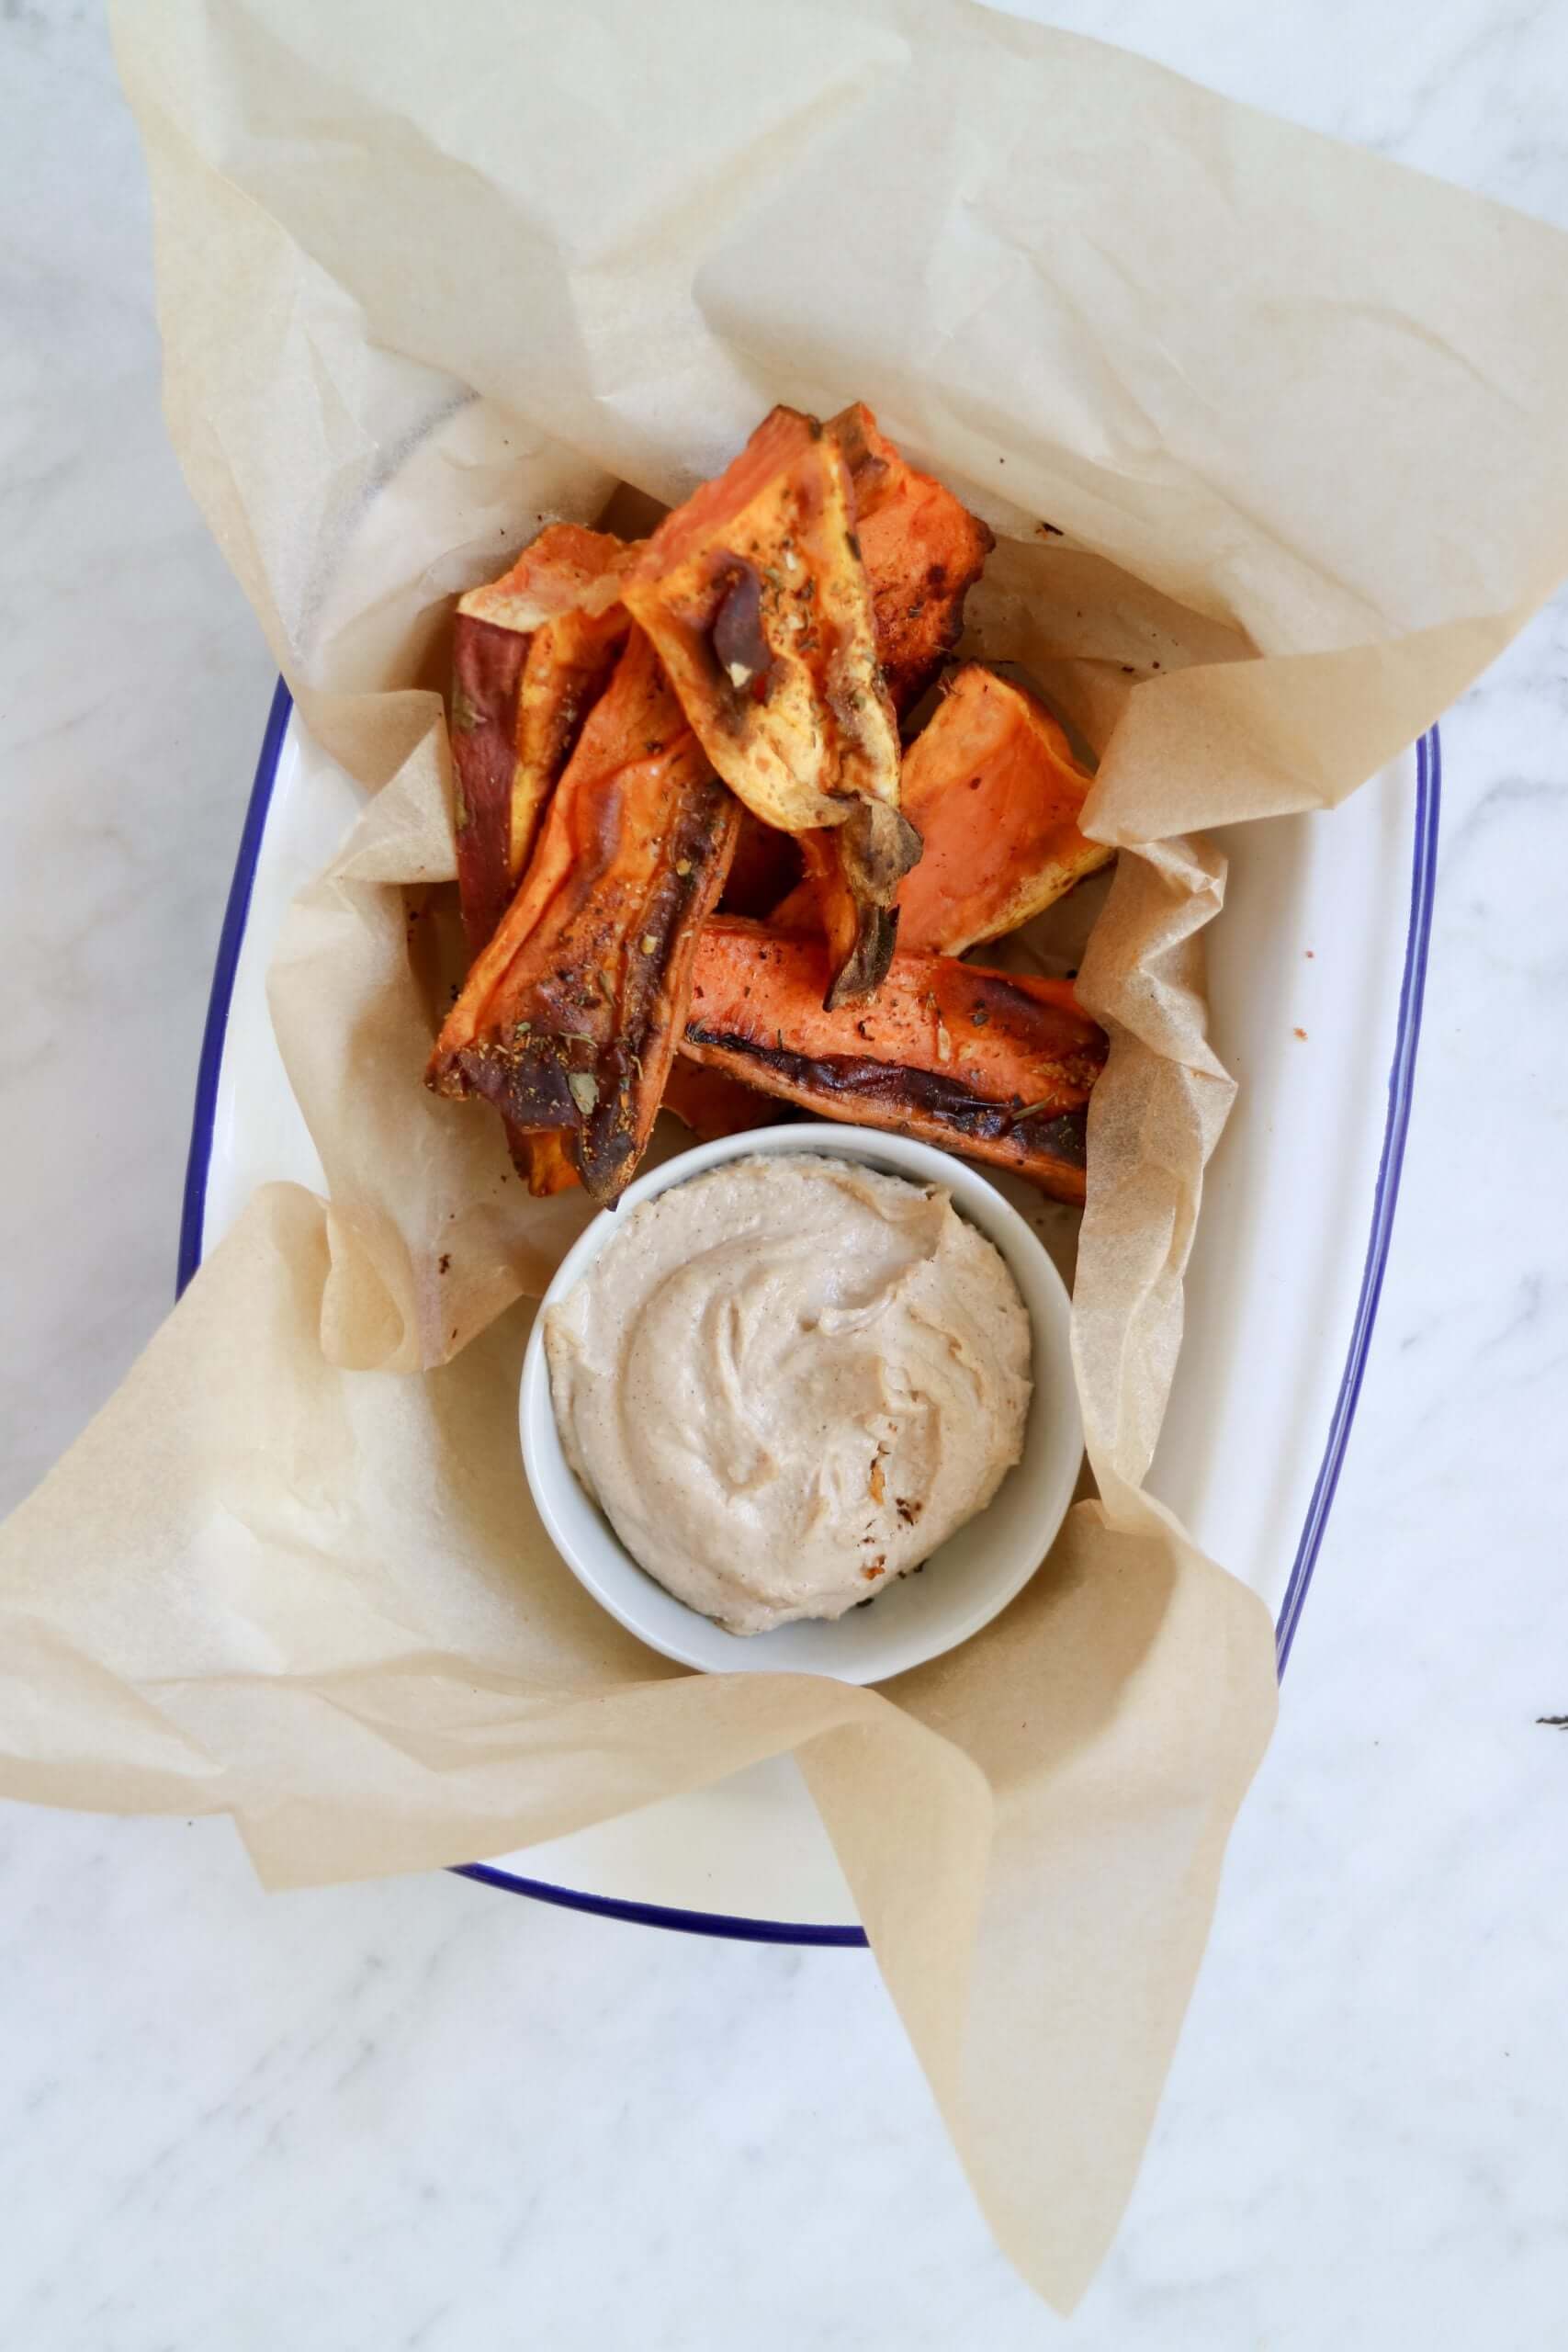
{"x":487,"y":678}
{"x":993,"y":1065}
{"x":571,"y":1015}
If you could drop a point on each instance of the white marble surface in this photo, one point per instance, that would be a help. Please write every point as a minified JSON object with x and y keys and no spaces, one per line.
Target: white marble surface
{"x":425,"y":2115}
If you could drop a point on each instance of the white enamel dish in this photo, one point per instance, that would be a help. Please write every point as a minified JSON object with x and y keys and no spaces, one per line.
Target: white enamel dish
{"x":1316,"y":972}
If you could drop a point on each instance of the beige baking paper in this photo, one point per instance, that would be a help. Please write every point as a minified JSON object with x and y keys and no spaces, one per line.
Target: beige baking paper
{"x":1276,"y":439}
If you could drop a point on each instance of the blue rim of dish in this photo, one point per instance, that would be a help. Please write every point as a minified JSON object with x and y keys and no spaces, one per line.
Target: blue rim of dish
{"x":1386,"y":1195}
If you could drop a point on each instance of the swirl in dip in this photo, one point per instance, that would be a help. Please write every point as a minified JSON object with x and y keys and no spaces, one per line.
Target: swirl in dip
{"x":788,"y":1381}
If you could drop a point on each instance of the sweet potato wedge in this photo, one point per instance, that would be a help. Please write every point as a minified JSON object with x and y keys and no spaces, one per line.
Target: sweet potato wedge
{"x":995,"y":792}
{"x":527,"y":667}
{"x":992,"y":1064}
{"x":756,"y":595}
{"x":542,"y":1156}
{"x":571,"y":1014}
{"x":923,"y":553}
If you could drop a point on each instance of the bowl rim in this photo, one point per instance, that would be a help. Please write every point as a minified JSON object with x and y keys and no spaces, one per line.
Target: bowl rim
{"x":615,"y":1588}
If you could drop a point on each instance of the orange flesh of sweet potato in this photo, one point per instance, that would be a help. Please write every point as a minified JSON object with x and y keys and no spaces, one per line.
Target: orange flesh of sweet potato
{"x":923,"y":553}
{"x":488,"y":664}
{"x":993,"y":789}
{"x":756,"y":595}
{"x":571,"y":1014}
{"x":992,"y":1064}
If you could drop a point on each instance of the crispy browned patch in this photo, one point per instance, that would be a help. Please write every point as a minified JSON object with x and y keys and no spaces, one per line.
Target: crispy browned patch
{"x":872,"y":853}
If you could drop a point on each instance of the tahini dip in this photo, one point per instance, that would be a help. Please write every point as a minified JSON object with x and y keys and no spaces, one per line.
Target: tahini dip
{"x":787,"y":1381}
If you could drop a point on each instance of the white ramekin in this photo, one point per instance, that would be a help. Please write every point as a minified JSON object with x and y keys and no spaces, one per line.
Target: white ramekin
{"x":965,"y":1583}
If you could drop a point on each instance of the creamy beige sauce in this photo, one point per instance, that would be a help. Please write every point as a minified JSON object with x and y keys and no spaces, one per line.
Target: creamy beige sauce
{"x":787,"y":1381}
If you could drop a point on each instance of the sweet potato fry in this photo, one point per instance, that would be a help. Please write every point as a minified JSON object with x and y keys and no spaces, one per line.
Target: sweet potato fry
{"x":999,"y":795}
{"x":995,"y":792}
{"x":923,"y":553}
{"x":542,"y":1156}
{"x":526,"y":669}
{"x":992,"y":1064}
{"x":526,"y":666}
{"x":571,"y":1014}
{"x":756,"y":595}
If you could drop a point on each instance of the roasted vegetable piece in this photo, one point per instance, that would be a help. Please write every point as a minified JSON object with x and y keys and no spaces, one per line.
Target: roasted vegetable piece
{"x":998,"y":795}
{"x":756,"y":595}
{"x":523,"y":683}
{"x":992,"y":785}
{"x":993,"y":1065}
{"x":923,"y":553}
{"x":544,"y":1160}
{"x":526,"y":667}
{"x":488,"y":664}
{"x":571,"y":1014}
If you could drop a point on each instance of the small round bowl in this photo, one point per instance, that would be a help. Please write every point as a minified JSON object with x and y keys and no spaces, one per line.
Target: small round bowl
{"x":967,"y":1581}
